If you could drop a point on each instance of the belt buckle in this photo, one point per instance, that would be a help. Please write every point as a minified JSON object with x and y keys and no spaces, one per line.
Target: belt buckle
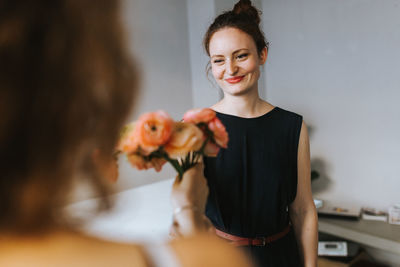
{"x":263,"y":242}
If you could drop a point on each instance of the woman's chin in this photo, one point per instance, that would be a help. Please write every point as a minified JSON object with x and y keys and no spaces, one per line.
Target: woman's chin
{"x":236,"y":90}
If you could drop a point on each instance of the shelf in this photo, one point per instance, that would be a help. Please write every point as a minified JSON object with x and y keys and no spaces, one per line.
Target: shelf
{"x":374,"y":234}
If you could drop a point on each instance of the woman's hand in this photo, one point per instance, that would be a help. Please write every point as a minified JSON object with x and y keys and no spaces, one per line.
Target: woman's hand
{"x":192,"y":189}
{"x":189,"y":197}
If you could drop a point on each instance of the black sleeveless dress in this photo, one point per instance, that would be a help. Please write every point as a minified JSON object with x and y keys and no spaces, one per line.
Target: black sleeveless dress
{"x":254,"y":180}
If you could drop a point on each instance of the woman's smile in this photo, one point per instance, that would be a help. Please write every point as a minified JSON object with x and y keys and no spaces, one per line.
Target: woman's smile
{"x":235,"y":79}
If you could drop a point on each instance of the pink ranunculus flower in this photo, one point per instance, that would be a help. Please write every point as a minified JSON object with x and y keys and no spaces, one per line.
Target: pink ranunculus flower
{"x":220,"y":135}
{"x":199,"y":115}
{"x":186,"y":137}
{"x":155,"y":139}
{"x":153,"y":130}
{"x":127,"y":142}
{"x":211,"y":149}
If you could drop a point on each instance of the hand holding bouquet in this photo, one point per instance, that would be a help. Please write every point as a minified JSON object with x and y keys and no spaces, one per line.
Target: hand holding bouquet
{"x":155,"y":139}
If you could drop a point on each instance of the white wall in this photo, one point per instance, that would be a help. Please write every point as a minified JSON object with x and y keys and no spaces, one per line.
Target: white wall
{"x":158,"y":37}
{"x":338,"y":64}
{"x":200,"y":15}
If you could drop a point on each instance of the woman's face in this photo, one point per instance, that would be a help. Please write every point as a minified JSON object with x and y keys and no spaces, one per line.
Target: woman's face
{"x":235,"y":63}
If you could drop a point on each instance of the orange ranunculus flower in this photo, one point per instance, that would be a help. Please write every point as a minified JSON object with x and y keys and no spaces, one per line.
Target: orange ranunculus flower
{"x":220,"y":135}
{"x":186,"y":137}
{"x":152,"y":130}
{"x":198,"y":115}
{"x":211,"y":149}
{"x":157,"y":163}
{"x":127,"y":143}
{"x":140,"y":163}
{"x":137,"y":161}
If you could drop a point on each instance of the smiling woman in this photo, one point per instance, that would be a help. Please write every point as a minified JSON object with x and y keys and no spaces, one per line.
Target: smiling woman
{"x":260,"y":190}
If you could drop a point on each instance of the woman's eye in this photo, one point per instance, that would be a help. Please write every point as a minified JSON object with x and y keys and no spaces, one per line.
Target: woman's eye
{"x":242,"y":56}
{"x":218,"y":61}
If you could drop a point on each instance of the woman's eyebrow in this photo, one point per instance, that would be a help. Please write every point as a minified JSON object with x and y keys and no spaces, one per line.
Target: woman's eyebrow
{"x":240,"y":50}
{"x":217,"y":56}
{"x":234,"y":52}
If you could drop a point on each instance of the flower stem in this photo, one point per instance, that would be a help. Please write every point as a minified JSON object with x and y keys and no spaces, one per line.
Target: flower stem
{"x":176,"y":166}
{"x":175,"y":163}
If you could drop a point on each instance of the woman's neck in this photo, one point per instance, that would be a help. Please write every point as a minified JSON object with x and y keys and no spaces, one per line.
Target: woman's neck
{"x":246,"y":106}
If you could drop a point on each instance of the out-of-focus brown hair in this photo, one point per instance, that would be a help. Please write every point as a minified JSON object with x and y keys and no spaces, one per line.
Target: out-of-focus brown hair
{"x":66,"y":86}
{"x":244,"y":17}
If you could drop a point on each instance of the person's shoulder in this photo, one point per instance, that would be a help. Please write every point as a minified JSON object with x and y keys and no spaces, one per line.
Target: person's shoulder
{"x":70,"y":249}
{"x":289,"y":121}
{"x":115,"y":253}
{"x":288,"y":114}
{"x":101,"y":252}
{"x":208,"y":250}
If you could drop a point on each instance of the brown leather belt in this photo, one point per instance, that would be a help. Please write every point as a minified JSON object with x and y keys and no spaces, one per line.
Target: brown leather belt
{"x":257,"y":241}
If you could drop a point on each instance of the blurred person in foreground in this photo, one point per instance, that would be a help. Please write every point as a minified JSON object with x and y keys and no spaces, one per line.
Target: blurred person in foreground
{"x":66,"y":87}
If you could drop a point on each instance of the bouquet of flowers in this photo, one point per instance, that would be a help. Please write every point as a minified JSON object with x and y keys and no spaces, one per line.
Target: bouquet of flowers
{"x":155,"y":139}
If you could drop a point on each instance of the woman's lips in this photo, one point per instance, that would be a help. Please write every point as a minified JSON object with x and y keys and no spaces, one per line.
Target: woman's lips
{"x":235,"y":79}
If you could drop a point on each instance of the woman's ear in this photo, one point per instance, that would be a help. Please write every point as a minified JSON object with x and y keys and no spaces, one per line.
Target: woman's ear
{"x":263,"y":56}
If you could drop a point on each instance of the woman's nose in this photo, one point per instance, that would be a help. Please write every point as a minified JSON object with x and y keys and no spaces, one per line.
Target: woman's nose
{"x":231,"y":67}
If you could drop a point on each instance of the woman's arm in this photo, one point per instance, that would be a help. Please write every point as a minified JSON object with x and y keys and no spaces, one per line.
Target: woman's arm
{"x":302,"y":211}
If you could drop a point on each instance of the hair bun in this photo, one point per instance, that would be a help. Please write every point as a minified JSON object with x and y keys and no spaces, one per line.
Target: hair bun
{"x":245,"y":7}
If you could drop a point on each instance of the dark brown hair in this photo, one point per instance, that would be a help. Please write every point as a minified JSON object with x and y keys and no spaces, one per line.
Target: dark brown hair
{"x":66,"y":84}
{"x":244,"y":17}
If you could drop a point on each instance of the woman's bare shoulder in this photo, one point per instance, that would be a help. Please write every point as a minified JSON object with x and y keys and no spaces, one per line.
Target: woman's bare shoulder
{"x":208,"y":250}
{"x":59,"y":250}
